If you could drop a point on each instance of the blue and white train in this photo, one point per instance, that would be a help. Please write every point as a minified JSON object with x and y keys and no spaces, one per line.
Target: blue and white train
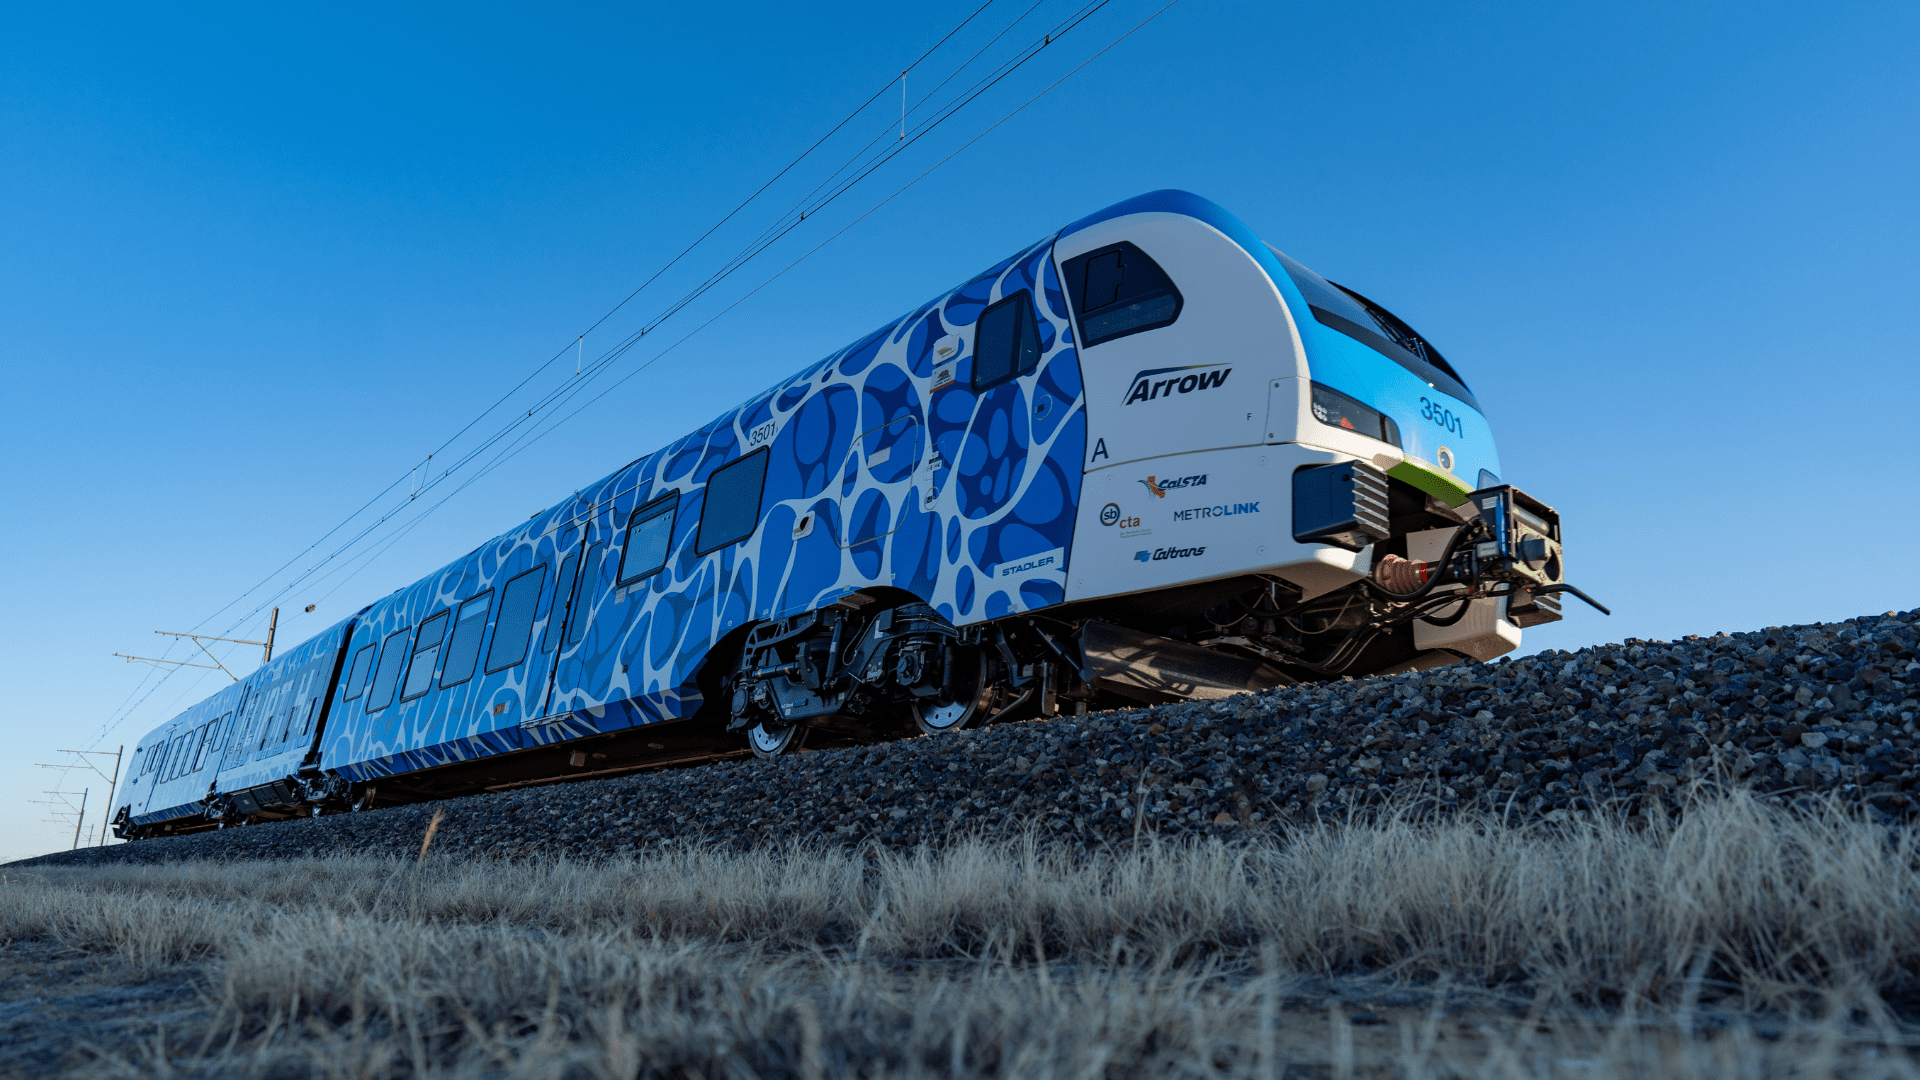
{"x":1145,"y":459}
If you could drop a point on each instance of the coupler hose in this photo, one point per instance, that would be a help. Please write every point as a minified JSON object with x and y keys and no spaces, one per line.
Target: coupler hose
{"x":1394,"y":569}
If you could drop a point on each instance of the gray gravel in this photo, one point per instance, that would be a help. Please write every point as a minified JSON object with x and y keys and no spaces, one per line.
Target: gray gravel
{"x":1788,"y":711}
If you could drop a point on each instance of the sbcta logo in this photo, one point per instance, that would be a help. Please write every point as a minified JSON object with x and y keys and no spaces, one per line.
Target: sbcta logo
{"x":1111,"y":514}
{"x":1148,"y":386}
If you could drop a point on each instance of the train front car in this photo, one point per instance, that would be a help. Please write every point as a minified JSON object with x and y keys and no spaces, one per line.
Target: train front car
{"x":1278,"y":470}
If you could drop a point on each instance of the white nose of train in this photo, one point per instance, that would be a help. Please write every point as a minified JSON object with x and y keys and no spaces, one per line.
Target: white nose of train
{"x":1216,"y":371}
{"x":1193,"y":412}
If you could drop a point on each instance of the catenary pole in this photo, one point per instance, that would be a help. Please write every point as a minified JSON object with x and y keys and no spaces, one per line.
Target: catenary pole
{"x":112,"y":786}
{"x":79,"y":819}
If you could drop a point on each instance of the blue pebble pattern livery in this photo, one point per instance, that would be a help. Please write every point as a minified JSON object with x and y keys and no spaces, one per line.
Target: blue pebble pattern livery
{"x":885,"y":469}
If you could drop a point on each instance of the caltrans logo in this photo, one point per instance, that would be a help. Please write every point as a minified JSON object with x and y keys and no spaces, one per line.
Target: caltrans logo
{"x":1156,"y":383}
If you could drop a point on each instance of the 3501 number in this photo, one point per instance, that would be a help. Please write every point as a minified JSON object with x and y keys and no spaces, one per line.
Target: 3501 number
{"x":1442,"y":416}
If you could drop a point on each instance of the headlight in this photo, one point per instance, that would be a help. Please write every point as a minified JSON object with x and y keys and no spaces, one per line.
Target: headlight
{"x":1336,"y":409}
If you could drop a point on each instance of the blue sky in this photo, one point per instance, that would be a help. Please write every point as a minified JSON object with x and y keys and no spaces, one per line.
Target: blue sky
{"x":257,"y":262}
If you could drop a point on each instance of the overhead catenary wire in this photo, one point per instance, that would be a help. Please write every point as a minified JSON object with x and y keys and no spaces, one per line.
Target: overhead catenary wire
{"x":580,"y":339}
{"x":567,"y":390}
{"x":130,"y":703}
{"x":527,"y":440}
{"x":588,"y":373}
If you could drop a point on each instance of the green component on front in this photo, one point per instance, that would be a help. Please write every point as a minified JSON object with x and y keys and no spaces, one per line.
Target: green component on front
{"x":1443,"y":486}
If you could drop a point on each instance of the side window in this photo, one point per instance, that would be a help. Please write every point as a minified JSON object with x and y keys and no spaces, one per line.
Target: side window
{"x":173,"y":758}
{"x":732,"y":508}
{"x":514,"y":628}
{"x":200,"y":747}
{"x":463,"y":648}
{"x":578,"y":615}
{"x":313,"y":706}
{"x":649,"y":535}
{"x":562,"y":594}
{"x":357,"y":675}
{"x":426,"y":651}
{"x":1117,"y":290}
{"x":386,"y":679}
{"x":1006,"y":342}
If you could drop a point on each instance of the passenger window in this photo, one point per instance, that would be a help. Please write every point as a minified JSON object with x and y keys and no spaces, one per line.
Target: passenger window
{"x":426,"y":651}
{"x":357,"y":676}
{"x":386,"y":679}
{"x":200,"y":748}
{"x":1119,"y":290}
{"x":582,"y":611}
{"x":649,"y":534}
{"x":173,"y":758}
{"x":313,"y":704}
{"x":562,"y":595}
{"x":463,"y":649}
{"x":514,"y":628}
{"x":1006,"y":342}
{"x":732,"y":508}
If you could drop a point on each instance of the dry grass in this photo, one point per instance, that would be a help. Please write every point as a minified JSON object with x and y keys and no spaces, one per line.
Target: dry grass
{"x":1741,"y":941}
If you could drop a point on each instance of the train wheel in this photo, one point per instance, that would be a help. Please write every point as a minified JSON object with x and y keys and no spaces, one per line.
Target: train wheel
{"x":772,"y":742}
{"x":972,"y":698}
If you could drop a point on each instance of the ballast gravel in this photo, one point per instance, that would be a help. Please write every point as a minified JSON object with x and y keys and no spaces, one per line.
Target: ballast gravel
{"x":1789,"y":712}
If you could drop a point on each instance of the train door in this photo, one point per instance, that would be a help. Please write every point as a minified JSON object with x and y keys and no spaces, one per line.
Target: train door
{"x":877,"y":479}
{"x":233,"y":746}
{"x":584,"y":583}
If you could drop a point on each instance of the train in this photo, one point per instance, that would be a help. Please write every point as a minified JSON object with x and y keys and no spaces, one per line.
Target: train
{"x":1148,"y":458}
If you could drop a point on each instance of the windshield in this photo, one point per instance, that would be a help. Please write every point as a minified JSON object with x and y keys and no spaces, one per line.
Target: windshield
{"x":1370,"y":324}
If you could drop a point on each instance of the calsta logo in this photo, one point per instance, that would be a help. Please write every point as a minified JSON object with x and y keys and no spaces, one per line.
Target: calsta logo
{"x":1158,"y":554}
{"x":1159,"y":488}
{"x":1148,"y":385}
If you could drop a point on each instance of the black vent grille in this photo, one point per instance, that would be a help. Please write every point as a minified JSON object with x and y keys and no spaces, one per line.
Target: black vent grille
{"x":1343,"y":504}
